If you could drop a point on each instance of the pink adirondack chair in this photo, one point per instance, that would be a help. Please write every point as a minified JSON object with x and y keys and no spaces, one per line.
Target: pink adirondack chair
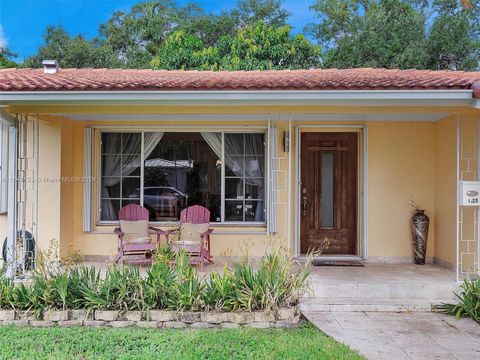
{"x":139,"y":251}
{"x":199,"y":252}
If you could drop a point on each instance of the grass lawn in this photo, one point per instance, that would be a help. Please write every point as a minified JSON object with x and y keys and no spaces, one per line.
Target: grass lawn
{"x":305,"y":342}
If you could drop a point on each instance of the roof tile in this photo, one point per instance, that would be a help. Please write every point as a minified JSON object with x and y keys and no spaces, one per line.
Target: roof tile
{"x":315,"y":79}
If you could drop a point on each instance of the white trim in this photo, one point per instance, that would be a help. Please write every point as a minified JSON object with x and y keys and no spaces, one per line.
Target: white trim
{"x":364,"y":249}
{"x":6,"y":118}
{"x":296,"y":201}
{"x":88,"y":143}
{"x":4,"y":146}
{"x":180,"y":128}
{"x":12,"y":202}
{"x":457,"y":265}
{"x":364,"y":198}
{"x":431,"y":116}
{"x":210,"y":97}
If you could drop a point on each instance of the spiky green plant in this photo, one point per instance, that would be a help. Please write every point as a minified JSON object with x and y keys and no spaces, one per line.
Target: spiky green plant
{"x":468,"y":302}
{"x":160,"y":285}
{"x":189,"y":286}
{"x":275,"y":283}
{"x":221,"y":291}
{"x":6,"y":292}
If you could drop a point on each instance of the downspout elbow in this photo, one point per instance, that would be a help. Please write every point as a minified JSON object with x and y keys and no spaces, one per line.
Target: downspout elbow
{"x":476,"y":90}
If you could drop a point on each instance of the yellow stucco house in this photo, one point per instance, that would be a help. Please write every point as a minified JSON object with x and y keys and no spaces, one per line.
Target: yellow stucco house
{"x":292,"y":155}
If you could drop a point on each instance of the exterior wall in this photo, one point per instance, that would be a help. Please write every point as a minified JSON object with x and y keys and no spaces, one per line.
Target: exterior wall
{"x":67,"y":204}
{"x":407,"y":161}
{"x":401,"y":169}
{"x":49,"y":189}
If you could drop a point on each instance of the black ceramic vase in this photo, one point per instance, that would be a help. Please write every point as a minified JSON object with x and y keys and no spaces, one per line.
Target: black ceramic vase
{"x":420,"y":223}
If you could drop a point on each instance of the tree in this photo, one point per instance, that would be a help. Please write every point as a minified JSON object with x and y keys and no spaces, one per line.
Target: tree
{"x":72,"y":52}
{"x":454,"y":37}
{"x":387,"y":33}
{"x":5,"y":59}
{"x":138,"y":33}
{"x":181,"y":51}
{"x":270,"y":12}
{"x":436,"y":34}
{"x":264,"y":47}
{"x":257,"y":47}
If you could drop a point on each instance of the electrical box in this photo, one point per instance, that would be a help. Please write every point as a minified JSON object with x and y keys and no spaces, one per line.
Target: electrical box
{"x":470,"y":193}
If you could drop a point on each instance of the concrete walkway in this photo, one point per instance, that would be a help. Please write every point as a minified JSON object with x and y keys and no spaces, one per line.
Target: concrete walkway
{"x":414,"y":335}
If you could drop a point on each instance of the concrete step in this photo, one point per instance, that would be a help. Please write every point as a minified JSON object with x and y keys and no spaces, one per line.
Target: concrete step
{"x":370,"y":305}
{"x":385,"y":290}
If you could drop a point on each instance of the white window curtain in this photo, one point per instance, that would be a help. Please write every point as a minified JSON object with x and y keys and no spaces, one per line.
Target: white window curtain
{"x":126,"y":164}
{"x":255,"y":165}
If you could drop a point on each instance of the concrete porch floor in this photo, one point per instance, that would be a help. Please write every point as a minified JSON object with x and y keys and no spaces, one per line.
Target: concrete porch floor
{"x":379,"y":287}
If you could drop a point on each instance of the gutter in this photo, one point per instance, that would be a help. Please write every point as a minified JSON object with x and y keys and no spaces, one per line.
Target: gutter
{"x":455,"y":97}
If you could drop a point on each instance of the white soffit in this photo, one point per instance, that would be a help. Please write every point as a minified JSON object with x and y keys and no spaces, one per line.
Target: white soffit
{"x":259,"y":117}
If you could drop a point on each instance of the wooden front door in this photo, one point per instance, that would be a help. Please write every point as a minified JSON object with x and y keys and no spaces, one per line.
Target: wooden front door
{"x":328,"y":192}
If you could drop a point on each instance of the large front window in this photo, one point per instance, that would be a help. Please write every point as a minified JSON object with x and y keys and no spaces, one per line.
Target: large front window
{"x":222,"y":171}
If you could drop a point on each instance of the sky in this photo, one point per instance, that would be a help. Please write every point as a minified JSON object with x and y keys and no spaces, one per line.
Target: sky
{"x":23,"y":22}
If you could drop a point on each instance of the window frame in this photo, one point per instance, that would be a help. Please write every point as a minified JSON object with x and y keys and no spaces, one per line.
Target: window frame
{"x":187,"y":129}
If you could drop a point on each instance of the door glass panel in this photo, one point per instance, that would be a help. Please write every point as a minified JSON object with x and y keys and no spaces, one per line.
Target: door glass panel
{"x":327,"y":190}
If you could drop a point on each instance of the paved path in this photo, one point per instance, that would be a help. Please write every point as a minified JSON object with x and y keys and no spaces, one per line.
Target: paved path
{"x":384,"y":335}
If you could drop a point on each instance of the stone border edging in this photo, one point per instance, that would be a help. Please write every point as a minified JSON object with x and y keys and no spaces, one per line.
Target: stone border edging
{"x":283,"y":318}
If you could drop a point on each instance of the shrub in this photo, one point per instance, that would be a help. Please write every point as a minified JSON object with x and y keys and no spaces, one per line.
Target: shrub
{"x":175,"y":285}
{"x":469,"y":302}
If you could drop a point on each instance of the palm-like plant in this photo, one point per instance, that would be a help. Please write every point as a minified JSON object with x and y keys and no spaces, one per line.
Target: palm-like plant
{"x":221,"y":291}
{"x":468,"y":302}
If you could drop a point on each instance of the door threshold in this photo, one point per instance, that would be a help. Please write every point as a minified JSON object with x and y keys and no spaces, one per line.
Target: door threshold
{"x":332,"y":258}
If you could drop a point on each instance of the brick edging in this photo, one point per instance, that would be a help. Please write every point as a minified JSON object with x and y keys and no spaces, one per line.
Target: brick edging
{"x":282,"y":318}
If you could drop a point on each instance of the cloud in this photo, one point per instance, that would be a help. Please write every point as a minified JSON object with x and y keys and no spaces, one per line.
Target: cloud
{"x":3,"y":40}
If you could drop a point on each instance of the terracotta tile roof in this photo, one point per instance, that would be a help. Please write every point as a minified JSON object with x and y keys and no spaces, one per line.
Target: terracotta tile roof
{"x":331,"y":79}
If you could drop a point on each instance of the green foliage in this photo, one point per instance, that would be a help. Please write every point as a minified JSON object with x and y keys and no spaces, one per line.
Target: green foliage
{"x":437,"y":34}
{"x":255,"y":35}
{"x":264,"y":47}
{"x":168,"y":284}
{"x":454,"y":40}
{"x":270,"y":12}
{"x":5,"y":59}
{"x":273,"y":285}
{"x":6,"y":292}
{"x":73,"y":52}
{"x":221,"y":291}
{"x":257,"y":47}
{"x":468,"y":302}
{"x":134,"y":343}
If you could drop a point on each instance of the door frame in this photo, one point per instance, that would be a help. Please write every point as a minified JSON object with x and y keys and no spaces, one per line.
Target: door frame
{"x":362,"y":186}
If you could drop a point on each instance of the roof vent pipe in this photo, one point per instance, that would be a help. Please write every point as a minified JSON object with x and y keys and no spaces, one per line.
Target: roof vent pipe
{"x":50,"y":66}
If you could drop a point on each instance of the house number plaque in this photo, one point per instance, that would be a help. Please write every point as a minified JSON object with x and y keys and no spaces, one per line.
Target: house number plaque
{"x":470,"y":193}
